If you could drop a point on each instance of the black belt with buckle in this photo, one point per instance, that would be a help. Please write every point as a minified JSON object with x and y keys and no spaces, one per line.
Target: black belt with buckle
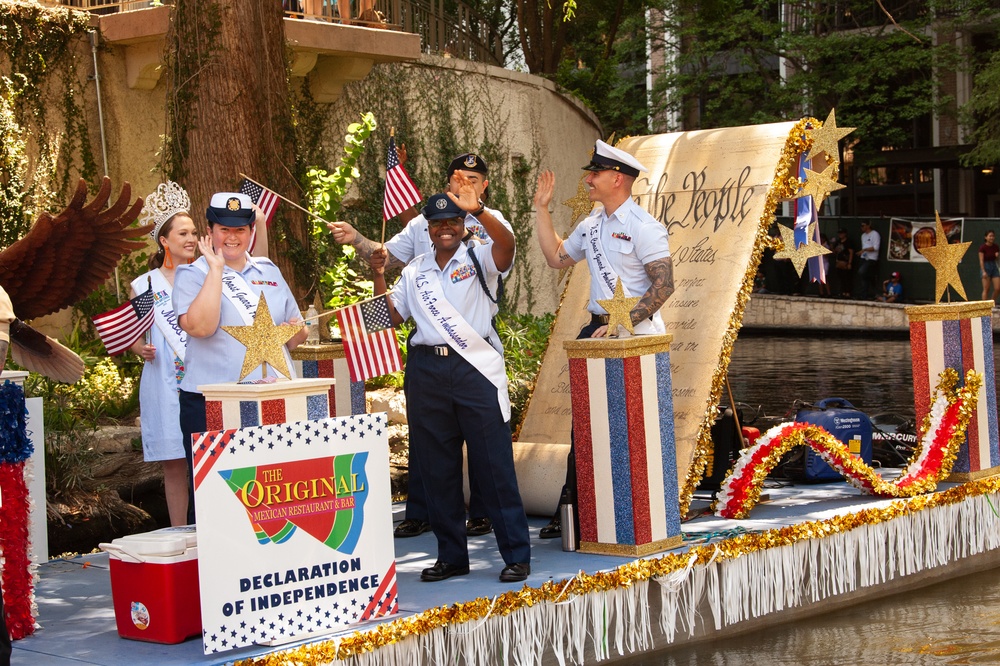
{"x":598,"y":320}
{"x":437,"y":350}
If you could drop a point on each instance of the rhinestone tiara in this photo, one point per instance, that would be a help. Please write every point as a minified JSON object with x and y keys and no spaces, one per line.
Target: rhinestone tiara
{"x":168,"y":200}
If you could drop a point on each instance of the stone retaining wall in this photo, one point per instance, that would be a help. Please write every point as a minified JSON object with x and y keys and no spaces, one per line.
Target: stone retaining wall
{"x":802,"y":313}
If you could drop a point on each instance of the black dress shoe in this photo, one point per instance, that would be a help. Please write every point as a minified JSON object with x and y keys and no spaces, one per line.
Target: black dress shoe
{"x":442,"y":570}
{"x":515,"y":573}
{"x":411,"y":528}
{"x":551,"y":531}
{"x":478,"y":526}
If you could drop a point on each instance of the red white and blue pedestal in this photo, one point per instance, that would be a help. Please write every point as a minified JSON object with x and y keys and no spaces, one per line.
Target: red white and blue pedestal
{"x":231,"y":405}
{"x":623,"y":431}
{"x":959,"y":336}
{"x":314,"y":360}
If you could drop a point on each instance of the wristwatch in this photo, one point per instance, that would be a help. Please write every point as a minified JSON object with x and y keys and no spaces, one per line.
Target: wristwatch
{"x":479,"y":211}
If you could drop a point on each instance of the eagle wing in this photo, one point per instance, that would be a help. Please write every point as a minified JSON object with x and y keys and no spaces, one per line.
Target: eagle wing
{"x":62,"y":259}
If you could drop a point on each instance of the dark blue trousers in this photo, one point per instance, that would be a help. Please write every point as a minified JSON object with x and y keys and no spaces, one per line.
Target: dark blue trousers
{"x":192,"y":420}
{"x":449,"y":402}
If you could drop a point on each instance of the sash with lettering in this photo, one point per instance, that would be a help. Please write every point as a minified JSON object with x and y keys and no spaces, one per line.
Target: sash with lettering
{"x":606,"y":277}
{"x":164,"y":316}
{"x":462,"y":337}
{"x":236,"y":290}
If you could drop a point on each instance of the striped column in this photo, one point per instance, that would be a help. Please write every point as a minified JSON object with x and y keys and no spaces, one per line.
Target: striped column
{"x":330,"y":360}
{"x":229,"y":406}
{"x":623,"y":431}
{"x":959,"y":336}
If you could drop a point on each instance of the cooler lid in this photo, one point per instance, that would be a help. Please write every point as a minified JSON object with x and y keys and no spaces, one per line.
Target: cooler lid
{"x":188,"y":532}
{"x":152,"y":544}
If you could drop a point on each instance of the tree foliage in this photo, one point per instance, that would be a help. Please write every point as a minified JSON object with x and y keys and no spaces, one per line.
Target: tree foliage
{"x":734,"y":62}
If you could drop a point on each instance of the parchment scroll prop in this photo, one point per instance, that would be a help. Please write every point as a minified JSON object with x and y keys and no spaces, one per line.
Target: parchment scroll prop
{"x":717,"y":192}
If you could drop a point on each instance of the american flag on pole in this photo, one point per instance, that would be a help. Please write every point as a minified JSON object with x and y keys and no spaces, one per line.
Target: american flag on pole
{"x":121,"y":327}
{"x":262,"y":197}
{"x":369,"y":339}
{"x":400,"y":192}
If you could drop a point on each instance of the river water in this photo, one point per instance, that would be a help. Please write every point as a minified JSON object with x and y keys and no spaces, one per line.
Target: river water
{"x":954,"y":622}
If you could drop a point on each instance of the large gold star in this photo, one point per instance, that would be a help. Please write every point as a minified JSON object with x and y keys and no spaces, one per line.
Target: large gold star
{"x":819,"y":185}
{"x":580,"y":204}
{"x":801,"y":254}
{"x":826,"y":138}
{"x":264,"y":341}
{"x":619,"y":309}
{"x":945,"y":257}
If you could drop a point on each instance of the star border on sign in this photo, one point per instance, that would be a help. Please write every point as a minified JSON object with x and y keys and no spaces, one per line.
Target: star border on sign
{"x":803,"y":253}
{"x":945,"y":258}
{"x":827,"y":138}
{"x":619,"y":309}
{"x":819,"y":185}
{"x":580,"y":203}
{"x":264,"y":341}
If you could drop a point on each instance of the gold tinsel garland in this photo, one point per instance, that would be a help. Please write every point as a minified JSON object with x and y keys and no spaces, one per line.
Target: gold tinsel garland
{"x":784,"y":185}
{"x":624,"y":576}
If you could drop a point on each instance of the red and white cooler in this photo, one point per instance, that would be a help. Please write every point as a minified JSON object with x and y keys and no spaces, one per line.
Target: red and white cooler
{"x":154,"y":585}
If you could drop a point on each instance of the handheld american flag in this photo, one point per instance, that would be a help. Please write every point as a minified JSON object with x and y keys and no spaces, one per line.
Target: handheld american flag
{"x":121,"y":327}
{"x":262,"y":197}
{"x":369,"y":339}
{"x":400,"y":192}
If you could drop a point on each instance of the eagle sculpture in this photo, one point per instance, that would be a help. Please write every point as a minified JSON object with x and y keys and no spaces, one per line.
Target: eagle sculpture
{"x":60,"y":261}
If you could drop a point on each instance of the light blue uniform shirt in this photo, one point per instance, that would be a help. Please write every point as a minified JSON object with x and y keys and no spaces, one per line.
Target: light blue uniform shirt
{"x":219,"y":357}
{"x":461,"y":288}
{"x":631,"y":238}
{"x":414,"y":240}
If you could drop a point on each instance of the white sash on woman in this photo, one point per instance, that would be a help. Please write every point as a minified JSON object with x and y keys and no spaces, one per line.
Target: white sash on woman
{"x":163,"y":312}
{"x":236,"y":290}
{"x":461,"y":337}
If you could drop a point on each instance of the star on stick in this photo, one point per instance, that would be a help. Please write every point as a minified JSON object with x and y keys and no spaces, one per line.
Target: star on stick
{"x":801,"y":254}
{"x":827,"y":138}
{"x":580,"y":204}
{"x":945,"y":257}
{"x":264,"y":341}
{"x":819,"y":185}
{"x":619,"y":309}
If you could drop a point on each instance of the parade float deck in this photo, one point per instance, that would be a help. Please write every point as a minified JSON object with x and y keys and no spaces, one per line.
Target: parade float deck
{"x":806,"y":550}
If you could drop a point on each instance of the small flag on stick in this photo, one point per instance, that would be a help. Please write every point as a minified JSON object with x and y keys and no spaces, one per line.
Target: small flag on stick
{"x":400,"y":192}
{"x":369,"y":339}
{"x":262,"y":197}
{"x":121,"y":327}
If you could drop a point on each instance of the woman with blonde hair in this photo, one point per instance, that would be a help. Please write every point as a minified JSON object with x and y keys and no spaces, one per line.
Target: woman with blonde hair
{"x":164,"y":347}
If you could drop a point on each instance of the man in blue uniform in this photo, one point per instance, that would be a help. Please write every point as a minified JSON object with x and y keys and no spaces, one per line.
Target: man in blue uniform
{"x":456,"y":384}
{"x":619,"y":240}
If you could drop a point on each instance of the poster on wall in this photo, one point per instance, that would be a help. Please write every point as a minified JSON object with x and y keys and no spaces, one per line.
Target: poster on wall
{"x":294,"y":529}
{"x":908,"y":237}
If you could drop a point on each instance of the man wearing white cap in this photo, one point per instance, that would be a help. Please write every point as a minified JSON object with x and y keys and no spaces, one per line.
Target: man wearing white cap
{"x":619,"y":240}
{"x":223,"y":288}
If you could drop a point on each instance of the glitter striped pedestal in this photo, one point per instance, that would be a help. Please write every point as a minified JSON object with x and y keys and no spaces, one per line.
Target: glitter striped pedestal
{"x":328,"y":359}
{"x":231,"y":405}
{"x":959,"y":336}
{"x":623,"y":428}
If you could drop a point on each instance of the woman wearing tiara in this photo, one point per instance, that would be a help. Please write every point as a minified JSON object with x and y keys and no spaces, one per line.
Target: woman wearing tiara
{"x":164,"y":347}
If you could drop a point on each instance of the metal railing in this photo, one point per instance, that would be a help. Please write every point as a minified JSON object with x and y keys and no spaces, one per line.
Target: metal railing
{"x":460,"y":34}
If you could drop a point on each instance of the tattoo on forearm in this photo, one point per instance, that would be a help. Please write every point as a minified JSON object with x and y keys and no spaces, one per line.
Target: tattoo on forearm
{"x":661,"y":277}
{"x":365,"y":247}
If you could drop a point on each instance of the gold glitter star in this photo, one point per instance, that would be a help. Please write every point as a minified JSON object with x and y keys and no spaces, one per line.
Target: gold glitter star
{"x":826,"y":138}
{"x":801,"y":254}
{"x":264,"y":341}
{"x":619,"y":309}
{"x":819,"y":185}
{"x":945,"y":257}
{"x":611,"y":139}
{"x":580,"y":204}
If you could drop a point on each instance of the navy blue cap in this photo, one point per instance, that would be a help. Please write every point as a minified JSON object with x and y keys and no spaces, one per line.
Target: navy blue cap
{"x":230,"y":209}
{"x":440,"y":207}
{"x":468,"y":162}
